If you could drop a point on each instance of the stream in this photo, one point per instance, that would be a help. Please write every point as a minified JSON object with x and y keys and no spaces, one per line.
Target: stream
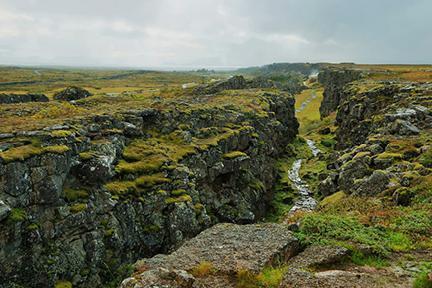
{"x":305,"y":202}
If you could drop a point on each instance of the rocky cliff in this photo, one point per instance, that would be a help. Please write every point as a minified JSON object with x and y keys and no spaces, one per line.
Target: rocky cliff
{"x":383,"y":138}
{"x":82,"y":199}
{"x":334,"y":80}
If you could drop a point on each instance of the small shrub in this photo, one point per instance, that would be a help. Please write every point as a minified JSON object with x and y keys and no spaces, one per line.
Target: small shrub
{"x":246,"y":279}
{"x":271,"y":277}
{"x":203,"y":269}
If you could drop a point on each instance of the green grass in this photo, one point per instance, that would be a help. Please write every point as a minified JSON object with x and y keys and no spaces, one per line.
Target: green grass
{"x":422,"y":278}
{"x":327,"y":228}
{"x":369,"y":260}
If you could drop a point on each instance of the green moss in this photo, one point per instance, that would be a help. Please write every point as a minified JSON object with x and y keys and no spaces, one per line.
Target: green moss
{"x":74,"y":194}
{"x":121,"y":187}
{"x":79,"y":207}
{"x":88,"y":155}
{"x":198,"y":207}
{"x":151,"y":229}
{"x":148,"y":166}
{"x":389,"y":155}
{"x":148,"y":181}
{"x":109,"y":232}
{"x":332,"y":199}
{"x":182,"y":198}
{"x":234,"y":154}
{"x":328,"y":142}
{"x":178,"y":192}
{"x":61,"y":133}
{"x":20,"y":153}
{"x":63,"y":284}
{"x":361,"y":154}
{"x":17,"y":215}
{"x":32,"y":227}
{"x":299,"y":149}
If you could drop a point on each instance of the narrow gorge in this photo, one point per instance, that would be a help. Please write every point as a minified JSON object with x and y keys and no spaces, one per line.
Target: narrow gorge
{"x":245,"y":181}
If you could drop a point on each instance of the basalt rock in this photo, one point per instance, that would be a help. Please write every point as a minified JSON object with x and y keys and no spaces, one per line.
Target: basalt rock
{"x":334,"y":81}
{"x":59,"y":221}
{"x":72,"y":93}
{"x":22,"y":98}
{"x":228,"y":248}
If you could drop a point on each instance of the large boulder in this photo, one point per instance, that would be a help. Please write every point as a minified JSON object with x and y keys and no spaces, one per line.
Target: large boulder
{"x":72,"y":93}
{"x":228,"y":248}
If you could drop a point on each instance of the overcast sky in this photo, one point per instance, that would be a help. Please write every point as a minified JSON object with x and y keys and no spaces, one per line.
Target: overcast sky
{"x":204,"y":33}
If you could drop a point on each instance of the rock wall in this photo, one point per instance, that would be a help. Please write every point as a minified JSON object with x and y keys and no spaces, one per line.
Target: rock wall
{"x":383,"y":139}
{"x":59,"y":221}
{"x":334,"y":81}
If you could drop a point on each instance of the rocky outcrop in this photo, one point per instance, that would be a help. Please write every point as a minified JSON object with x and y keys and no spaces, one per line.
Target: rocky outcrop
{"x":382,"y":107}
{"x":381,"y":127}
{"x":225,"y":248}
{"x":72,"y":93}
{"x":232,"y":83}
{"x":81,"y":203}
{"x":334,"y":81}
{"x":22,"y":98}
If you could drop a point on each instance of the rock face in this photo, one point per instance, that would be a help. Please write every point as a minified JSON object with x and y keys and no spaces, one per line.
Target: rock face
{"x":380,"y":127}
{"x":72,"y":93}
{"x":228,"y":248}
{"x":74,"y":209}
{"x":22,"y":98}
{"x":233,"y":83}
{"x":334,"y":81}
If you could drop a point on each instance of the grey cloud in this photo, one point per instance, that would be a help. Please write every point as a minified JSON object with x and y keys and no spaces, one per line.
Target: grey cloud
{"x":213,"y":32}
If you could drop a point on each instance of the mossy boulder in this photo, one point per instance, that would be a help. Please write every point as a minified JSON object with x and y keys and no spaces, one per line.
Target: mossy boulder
{"x":72,"y":93}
